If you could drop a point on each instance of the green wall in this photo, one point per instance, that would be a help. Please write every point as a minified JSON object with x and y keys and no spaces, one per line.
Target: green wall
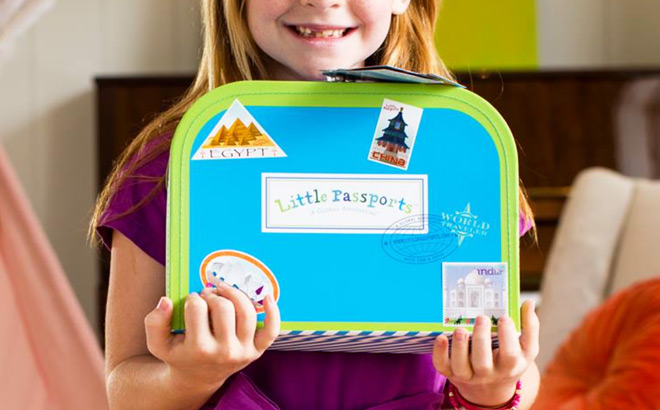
{"x":488,"y":34}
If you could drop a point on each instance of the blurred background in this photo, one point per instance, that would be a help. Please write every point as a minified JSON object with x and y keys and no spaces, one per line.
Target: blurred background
{"x":578,"y":82}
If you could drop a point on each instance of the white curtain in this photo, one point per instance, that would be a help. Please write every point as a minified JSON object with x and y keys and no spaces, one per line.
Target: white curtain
{"x":16,"y":16}
{"x":49,"y":357}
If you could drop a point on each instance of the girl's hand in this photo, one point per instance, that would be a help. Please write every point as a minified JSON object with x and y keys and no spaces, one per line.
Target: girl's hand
{"x":488,"y":377}
{"x":221,"y":336}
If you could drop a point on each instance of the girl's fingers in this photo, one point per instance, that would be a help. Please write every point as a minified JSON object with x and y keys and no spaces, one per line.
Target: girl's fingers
{"x":529,"y":340}
{"x":157,"y":328}
{"x":509,"y":351}
{"x":482,"y":352}
{"x":223,"y":316}
{"x":267,"y":334}
{"x":196,"y":315}
{"x":460,"y":360}
{"x":246,"y":313}
{"x":441,"y":356}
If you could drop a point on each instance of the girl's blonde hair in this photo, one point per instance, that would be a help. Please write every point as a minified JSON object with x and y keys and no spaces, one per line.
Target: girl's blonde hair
{"x":230,"y":54}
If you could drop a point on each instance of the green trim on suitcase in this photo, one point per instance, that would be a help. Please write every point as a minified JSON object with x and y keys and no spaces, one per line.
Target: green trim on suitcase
{"x":320,"y":94}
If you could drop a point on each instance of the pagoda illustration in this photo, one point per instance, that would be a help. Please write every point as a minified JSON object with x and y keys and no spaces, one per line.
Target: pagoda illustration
{"x":394,"y":136}
{"x":239,"y":135}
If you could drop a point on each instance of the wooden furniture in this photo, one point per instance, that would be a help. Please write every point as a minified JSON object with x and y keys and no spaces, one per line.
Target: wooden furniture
{"x":563,"y":122}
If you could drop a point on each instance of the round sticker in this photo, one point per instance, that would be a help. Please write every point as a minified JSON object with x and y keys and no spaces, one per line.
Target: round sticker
{"x":242,"y":271}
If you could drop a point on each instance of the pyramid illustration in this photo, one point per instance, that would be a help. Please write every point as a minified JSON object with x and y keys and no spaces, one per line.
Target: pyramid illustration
{"x":232,"y":132}
{"x":239,"y":135}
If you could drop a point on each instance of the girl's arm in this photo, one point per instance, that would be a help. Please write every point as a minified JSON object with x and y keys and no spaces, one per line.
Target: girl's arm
{"x":188,"y":368}
{"x":530,"y":387}
{"x":135,"y":378}
{"x":143,"y":382}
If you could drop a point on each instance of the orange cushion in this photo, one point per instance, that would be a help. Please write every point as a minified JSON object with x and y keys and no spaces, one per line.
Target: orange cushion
{"x":612,"y":360}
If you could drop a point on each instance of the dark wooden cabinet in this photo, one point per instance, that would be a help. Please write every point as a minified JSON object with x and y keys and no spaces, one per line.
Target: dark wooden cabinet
{"x":563,"y":121}
{"x":124,"y":106}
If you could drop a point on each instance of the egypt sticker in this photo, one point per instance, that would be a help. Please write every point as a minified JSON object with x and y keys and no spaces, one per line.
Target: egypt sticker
{"x":241,"y":271}
{"x":395,"y":134}
{"x":238,"y":135}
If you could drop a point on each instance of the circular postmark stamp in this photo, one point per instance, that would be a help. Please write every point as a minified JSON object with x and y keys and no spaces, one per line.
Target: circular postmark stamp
{"x":419,"y":239}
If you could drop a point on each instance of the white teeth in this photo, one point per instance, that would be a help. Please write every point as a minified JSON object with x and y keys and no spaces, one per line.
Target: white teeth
{"x":306,"y":32}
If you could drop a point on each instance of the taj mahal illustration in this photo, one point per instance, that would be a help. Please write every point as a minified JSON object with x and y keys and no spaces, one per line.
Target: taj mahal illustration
{"x":474,"y":295}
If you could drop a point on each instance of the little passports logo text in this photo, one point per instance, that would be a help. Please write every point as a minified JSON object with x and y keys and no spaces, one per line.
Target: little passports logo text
{"x":312,"y":197}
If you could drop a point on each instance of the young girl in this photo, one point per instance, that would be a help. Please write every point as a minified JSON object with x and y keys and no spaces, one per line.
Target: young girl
{"x":221,"y":361}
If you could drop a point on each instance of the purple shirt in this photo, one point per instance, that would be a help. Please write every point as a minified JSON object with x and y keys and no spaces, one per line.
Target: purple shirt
{"x":290,"y":380}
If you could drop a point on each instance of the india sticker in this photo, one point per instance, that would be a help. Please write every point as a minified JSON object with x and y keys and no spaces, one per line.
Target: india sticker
{"x":395,"y":134}
{"x":474,"y":289}
{"x":238,"y":135}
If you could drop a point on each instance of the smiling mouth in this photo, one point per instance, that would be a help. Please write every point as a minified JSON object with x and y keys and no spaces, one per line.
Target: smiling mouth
{"x":319,"y":32}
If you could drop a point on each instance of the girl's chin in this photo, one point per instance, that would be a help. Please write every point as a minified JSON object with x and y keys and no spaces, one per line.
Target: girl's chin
{"x":314,"y":73}
{"x":307,"y":72}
